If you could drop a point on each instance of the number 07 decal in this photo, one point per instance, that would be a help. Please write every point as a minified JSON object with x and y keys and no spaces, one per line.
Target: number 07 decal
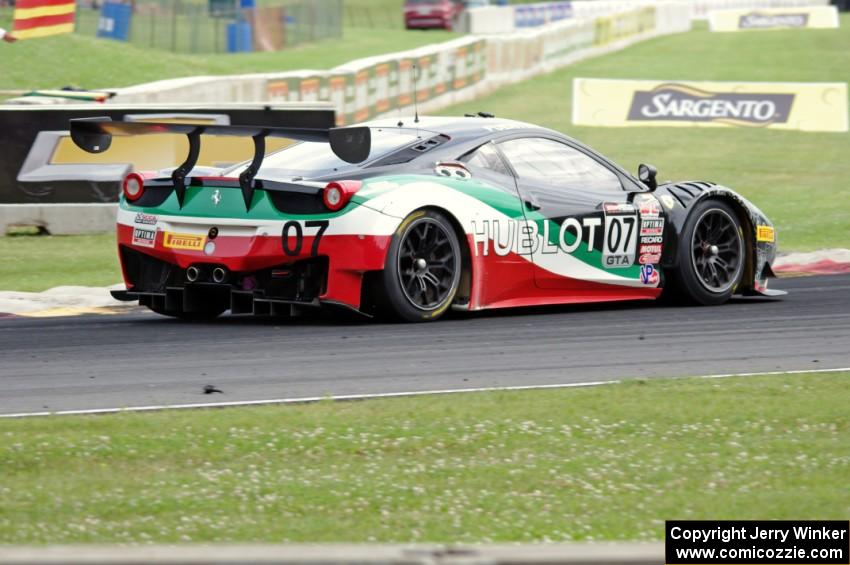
{"x":618,"y":247}
{"x":292,"y":236}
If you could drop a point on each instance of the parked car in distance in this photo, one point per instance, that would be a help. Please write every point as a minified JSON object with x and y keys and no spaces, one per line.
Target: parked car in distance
{"x":436,"y":14}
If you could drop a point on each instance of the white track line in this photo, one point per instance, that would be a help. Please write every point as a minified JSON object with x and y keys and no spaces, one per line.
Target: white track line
{"x":349,"y":397}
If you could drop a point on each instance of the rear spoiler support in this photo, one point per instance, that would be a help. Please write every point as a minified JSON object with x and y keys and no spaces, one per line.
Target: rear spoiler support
{"x":178,"y":177}
{"x":94,"y":135}
{"x":246,"y":179}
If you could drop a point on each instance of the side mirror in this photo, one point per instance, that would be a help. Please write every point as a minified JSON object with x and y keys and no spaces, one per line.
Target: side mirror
{"x":646,"y":174}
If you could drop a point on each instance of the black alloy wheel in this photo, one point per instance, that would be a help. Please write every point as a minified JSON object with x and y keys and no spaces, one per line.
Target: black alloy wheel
{"x":423,"y":267}
{"x":717,"y":250}
{"x":711,"y":256}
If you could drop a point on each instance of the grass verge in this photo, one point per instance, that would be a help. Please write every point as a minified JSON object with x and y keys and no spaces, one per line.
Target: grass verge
{"x":88,"y":62}
{"x":36,"y":263}
{"x":611,"y":462}
{"x":799,"y":179}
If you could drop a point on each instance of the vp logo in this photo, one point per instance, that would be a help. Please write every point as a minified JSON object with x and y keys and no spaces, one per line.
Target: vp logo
{"x":649,"y":275}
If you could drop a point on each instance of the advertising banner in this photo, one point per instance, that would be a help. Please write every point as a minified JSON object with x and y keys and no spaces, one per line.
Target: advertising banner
{"x":534,"y":15}
{"x":794,"y":106}
{"x":800,"y":17}
{"x":627,"y":24}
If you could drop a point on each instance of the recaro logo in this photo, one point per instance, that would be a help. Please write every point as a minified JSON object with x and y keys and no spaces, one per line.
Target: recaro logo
{"x":755,"y":20}
{"x":682,"y":103}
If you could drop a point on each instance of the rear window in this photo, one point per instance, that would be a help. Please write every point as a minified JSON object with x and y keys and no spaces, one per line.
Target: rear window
{"x":311,"y":159}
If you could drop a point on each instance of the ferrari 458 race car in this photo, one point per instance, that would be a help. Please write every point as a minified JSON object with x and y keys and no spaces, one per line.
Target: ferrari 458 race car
{"x":413,"y":217}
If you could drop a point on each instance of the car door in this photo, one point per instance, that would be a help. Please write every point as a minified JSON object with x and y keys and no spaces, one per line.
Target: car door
{"x":581,"y":228}
{"x":503,"y":273}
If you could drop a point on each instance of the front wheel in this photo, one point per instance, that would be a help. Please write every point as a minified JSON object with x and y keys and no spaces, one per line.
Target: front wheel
{"x":711,"y":254}
{"x":423,"y":268}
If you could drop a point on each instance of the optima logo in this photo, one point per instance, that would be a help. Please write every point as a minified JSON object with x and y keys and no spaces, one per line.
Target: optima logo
{"x":768,"y":21}
{"x":680,"y":103}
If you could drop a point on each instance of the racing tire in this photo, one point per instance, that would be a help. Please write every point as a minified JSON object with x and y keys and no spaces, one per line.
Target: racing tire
{"x":423,"y":268}
{"x":711,"y":255}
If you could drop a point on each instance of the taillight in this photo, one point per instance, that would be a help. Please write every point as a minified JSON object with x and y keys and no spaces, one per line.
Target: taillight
{"x":134,"y":186}
{"x":338,"y":193}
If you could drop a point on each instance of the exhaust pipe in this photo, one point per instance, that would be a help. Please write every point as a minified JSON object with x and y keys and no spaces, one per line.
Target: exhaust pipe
{"x":219,"y":275}
{"x":193,"y":274}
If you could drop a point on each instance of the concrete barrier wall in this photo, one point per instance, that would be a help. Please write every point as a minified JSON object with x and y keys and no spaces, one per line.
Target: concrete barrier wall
{"x":59,"y":219}
{"x":438,"y":74}
{"x":349,"y":554}
{"x":699,"y":9}
{"x":506,"y":19}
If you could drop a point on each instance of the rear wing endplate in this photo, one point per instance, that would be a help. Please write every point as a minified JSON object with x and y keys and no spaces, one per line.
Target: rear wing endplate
{"x":94,"y":135}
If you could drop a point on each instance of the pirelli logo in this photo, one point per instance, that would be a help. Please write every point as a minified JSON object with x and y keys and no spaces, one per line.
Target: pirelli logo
{"x":183,"y":241}
{"x":765,"y":233}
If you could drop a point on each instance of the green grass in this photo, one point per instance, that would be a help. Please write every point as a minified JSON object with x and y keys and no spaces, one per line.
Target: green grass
{"x":602,"y":463}
{"x":799,"y":179}
{"x":88,"y":62}
{"x":35,"y":263}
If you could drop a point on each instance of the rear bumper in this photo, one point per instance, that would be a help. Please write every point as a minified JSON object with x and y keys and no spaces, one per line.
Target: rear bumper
{"x":171,"y":263}
{"x":203,"y":298}
{"x":427,"y":22}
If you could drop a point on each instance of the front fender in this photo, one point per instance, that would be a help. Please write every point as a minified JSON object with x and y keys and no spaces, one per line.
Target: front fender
{"x":759,"y":233}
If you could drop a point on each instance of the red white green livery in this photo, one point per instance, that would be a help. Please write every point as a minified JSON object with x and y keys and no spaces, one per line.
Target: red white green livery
{"x":414,"y":217}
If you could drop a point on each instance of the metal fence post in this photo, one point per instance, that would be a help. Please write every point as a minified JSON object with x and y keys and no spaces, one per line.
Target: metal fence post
{"x":174,"y":26}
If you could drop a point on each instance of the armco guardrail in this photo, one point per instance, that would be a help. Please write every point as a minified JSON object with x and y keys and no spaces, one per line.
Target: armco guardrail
{"x":543,"y":554}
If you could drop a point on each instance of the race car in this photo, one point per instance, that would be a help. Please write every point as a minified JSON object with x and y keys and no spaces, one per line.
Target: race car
{"x":412,"y":217}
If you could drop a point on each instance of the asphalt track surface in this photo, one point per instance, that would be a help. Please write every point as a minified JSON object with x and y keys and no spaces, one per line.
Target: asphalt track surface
{"x":138,"y":359}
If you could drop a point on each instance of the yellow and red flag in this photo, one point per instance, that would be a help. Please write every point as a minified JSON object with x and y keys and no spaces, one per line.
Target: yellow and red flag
{"x":38,"y":18}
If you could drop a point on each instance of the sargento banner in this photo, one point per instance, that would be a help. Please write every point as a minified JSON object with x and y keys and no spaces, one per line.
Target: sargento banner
{"x":795,"y":106}
{"x":798,"y":17}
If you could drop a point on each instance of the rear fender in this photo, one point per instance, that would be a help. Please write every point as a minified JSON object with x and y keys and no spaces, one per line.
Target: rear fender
{"x":465,"y":203}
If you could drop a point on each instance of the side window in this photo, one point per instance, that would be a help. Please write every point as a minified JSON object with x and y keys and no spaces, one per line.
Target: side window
{"x":486,"y":157}
{"x":552,"y":162}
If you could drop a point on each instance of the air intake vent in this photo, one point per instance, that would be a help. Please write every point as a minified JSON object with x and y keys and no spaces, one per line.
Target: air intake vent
{"x":410,"y":153}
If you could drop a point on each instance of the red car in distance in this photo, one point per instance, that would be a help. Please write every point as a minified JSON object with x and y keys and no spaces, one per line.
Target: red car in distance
{"x":431,"y":14}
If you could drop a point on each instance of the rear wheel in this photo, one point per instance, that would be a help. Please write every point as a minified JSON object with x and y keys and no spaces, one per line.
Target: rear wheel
{"x":423,"y":268}
{"x":711,"y":254}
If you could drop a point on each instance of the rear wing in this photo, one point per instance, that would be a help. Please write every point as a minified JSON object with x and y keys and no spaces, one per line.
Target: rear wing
{"x":94,"y":135}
